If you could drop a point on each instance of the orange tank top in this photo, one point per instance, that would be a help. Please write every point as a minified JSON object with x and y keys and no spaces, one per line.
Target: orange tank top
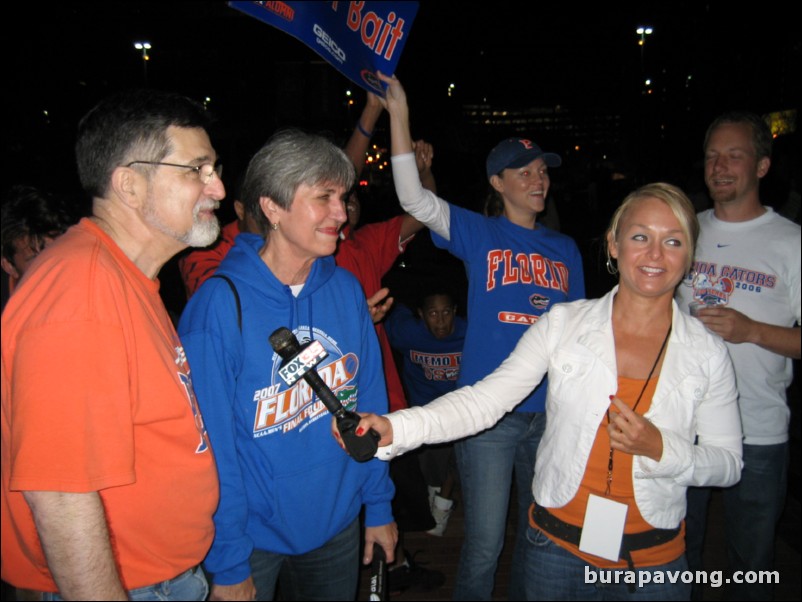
{"x":621,"y":489}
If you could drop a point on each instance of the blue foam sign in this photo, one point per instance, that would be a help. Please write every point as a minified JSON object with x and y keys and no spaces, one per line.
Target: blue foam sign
{"x":357,"y":38}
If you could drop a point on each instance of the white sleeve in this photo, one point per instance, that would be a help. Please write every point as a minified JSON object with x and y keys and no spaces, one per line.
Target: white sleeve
{"x":422,"y":204}
{"x":472,"y":409}
{"x":716,"y":459}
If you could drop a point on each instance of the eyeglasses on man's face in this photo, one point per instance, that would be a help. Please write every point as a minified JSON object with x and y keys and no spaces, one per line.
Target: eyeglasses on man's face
{"x":204,"y":172}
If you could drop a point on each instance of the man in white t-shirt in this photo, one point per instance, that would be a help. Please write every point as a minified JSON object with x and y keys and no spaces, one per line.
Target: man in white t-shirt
{"x":745,"y":286}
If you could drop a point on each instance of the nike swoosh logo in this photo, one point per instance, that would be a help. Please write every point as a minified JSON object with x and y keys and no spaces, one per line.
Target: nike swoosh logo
{"x":720,"y":246}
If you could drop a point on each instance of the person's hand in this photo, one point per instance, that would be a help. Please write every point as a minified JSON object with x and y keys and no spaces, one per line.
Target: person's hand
{"x":633,"y":434}
{"x":244,"y":590}
{"x":379,"y":304}
{"x":374,"y":102}
{"x":380,"y":424}
{"x":424,"y":153}
{"x":395,"y":99}
{"x":730,"y":324}
{"x":371,"y":113}
{"x":386,"y":536}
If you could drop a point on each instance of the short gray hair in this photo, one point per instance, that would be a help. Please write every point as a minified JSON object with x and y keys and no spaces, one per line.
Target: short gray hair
{"x":130,"y":126}
{"x":291,"y":158}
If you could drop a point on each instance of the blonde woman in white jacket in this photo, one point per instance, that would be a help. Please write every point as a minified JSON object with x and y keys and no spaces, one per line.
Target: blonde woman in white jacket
{"x":641,"y":404}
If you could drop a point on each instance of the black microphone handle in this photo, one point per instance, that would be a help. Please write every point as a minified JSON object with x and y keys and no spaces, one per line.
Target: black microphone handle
{"x":324,"y":393}
{"x":378,"y":575}
{"x":360,"y":449}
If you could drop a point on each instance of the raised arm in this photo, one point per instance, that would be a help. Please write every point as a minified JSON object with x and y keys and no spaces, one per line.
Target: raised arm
{"x":424,"y":155}
{"x":359,"y":141}
{"x":395,"y":101}
{"x":421,"y":204}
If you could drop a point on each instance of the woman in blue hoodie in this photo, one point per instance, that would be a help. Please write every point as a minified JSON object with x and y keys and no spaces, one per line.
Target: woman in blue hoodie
{"x":290,"y":499}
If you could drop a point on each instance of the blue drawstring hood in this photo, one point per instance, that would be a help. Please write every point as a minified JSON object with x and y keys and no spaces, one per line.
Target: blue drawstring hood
{"x":246,"y":268}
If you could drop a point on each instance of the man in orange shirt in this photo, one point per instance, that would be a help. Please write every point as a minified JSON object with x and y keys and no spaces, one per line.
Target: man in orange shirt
{"x":108,"y":482}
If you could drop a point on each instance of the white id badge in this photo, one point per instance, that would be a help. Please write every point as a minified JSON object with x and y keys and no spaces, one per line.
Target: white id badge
{"x":603,"y":528}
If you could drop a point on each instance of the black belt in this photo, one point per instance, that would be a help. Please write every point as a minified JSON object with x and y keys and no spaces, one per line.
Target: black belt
{"x":629,"y":543}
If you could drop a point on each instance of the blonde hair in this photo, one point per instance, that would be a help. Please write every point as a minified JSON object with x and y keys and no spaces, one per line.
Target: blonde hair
{"x":677,"y":201}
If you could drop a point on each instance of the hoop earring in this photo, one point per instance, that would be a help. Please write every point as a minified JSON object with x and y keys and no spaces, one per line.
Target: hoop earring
{"x":612,"y":269}
{"x":690,"y":279}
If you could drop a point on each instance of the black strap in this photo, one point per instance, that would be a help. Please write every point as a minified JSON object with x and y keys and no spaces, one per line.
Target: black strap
{"x":236,"y":297}
{"x":571,"y":533}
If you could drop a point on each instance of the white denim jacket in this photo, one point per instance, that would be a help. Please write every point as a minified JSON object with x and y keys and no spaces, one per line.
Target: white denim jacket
{"x":573,"y":343}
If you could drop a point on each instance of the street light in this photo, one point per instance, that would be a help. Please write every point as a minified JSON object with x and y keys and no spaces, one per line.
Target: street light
{"x":144,"y":47}
{"x":643,"y":31}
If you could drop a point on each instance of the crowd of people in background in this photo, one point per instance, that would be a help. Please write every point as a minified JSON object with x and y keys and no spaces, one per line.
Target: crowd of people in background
{"x":160,"y":453}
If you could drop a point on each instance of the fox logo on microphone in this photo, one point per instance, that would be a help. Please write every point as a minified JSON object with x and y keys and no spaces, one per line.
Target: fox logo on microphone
{"x":302,"y":363}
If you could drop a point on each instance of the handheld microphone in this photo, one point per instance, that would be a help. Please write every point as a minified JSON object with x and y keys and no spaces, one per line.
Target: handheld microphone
{"x":378,"y":575}
{"x":299,"y":362}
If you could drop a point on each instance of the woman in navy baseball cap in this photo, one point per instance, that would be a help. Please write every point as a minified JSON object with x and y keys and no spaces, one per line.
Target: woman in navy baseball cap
{"x":517,"y":269}
{"x":515,"y":164}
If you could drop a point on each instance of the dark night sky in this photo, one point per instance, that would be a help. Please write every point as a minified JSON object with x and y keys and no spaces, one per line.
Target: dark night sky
{"x":66,"y":55}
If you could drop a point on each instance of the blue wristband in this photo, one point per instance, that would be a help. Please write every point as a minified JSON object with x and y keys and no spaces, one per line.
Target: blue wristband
{"x":364,"y":132}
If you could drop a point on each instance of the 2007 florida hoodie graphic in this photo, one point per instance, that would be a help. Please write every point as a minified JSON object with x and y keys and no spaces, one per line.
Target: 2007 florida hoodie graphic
{"x":280,"y":409}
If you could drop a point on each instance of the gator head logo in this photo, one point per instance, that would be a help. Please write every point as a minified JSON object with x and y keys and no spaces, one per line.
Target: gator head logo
{"x":712,"y":291}
{"x":538,"y":301}
{"x":374,"y":82}
{"x":347,"y":397}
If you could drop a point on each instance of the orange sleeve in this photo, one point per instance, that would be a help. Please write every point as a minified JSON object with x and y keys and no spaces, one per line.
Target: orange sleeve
{"x":81,"y":438}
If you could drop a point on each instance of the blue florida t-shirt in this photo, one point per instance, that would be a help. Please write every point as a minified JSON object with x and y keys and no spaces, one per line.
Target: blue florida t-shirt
{"x":514,"y":276}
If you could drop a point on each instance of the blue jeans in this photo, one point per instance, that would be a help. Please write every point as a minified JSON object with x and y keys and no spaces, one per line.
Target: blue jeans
{"x":190,"y":585}
{"x":328,"y":573}
{"x":553,"y":573}
{"x":486,"y":463}
{"x":698,"y":500}
{"x":752,"y":508}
